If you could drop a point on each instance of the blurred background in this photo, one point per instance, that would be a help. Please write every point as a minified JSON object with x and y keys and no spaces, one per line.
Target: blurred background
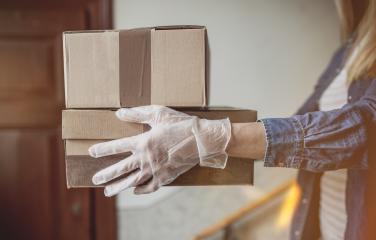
{"x":264,"y":55}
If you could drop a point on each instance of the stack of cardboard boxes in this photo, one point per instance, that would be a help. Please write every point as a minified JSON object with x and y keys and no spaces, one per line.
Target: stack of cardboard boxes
{"x":106,"y":70}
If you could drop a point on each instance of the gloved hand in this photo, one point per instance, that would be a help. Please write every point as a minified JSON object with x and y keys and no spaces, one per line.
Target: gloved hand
{"x":175,"y":143}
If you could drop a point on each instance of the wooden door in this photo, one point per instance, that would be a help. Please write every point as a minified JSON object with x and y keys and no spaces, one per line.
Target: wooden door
{"x":34,"y":201}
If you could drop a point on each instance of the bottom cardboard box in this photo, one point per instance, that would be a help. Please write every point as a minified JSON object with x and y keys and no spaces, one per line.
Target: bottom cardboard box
{"x":80,"y":168}
{"x":83,"y":128}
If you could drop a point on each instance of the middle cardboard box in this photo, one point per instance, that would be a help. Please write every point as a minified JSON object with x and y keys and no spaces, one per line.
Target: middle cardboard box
{"x":83,"y":128}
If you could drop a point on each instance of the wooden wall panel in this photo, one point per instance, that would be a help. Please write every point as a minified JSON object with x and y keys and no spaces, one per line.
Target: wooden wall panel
{"x":25,"y":184}
{"x":34,"y":200}
{"x":31,"y":69}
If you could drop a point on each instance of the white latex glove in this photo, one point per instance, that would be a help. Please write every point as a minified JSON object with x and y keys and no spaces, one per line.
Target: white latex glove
{"x":175,"y":143}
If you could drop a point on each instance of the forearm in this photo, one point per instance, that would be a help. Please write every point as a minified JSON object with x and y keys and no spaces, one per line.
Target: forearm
{"x":247,"y":140}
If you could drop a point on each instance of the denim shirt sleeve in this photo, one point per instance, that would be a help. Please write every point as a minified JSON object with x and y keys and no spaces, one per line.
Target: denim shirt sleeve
{"x":323,"y":140}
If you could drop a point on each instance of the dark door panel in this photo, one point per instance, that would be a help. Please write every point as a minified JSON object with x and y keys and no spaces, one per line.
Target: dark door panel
{"x":34,"y":200}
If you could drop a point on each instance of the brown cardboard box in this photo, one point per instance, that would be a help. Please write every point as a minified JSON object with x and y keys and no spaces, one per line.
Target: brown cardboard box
{"x":103,"y":124}
{"x":125,"y":68}
{"x":82,"y":128}
{"x":96,"y":124}
{"x":80,"y":168}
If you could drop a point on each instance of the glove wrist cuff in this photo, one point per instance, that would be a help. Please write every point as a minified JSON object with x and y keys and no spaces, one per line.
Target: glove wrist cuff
{"x":212,"y":138}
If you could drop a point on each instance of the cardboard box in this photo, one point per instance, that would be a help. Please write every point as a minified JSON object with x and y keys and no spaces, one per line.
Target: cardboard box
{"x":83,"y":128}
{"x":103,"y":124}
{"x":125,"y":68}
{"x":96,"y":124}
{"x":80,"y":168}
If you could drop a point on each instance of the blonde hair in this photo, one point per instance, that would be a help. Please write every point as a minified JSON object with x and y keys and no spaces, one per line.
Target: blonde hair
{"x":361,"y":26}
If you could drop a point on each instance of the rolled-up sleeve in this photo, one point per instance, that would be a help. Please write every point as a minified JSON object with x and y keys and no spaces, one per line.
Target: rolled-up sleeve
{"x":323,"y":140}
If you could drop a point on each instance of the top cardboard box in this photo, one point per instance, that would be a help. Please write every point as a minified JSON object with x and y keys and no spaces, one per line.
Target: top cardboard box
{"x":126,"y":68}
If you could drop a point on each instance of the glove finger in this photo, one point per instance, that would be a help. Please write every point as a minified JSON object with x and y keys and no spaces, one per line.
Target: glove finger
{"x":127,"y":165}
{"x":132,"y":180}
{"x":113,"y":147}
{"x":143,"y":114}
{"x":151,"y":186}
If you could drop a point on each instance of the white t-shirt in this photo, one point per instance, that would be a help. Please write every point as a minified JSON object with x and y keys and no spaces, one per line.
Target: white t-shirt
{"x":333,"y":216}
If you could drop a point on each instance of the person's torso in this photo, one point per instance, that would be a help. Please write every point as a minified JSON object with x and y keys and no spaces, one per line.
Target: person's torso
{"x":360,"y":186}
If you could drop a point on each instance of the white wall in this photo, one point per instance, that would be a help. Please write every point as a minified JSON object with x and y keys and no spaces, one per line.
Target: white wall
{"x":265,"y":55}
